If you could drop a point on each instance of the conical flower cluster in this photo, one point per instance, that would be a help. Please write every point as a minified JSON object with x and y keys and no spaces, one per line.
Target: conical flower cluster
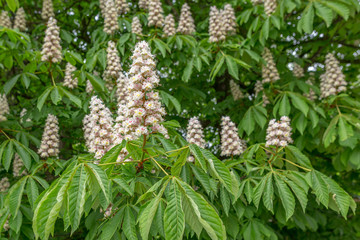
{"x":18,"y":167}
{"x":144,"y":4}
{"x":118,"y":131}
{"x":4,"y":107}
{"x":122,"y":6}
{"x":311,"y":95}
{"x":50,"y":141}
{"x":235,"y":91}
{"x":229,"y":19}
{"x":20,"y":21}
{"x":51,"y":50}
{"x":87,"y":128}
{"x":169,"y":27}
{"x":216,"y":26}
{"x":156,"y":17}
{"x":136,"y":26}
{"x":269,"y":72}
{"x":22,"y":114}
{"x":4,"y":184}
{"x":122,"y":89}
{"x":333,"y":81}
{"x":102,"y":4}
{"x":5,"y":19}
{"x":47,"y":10}
{"x":195,"y":135}
{"x":101,"y":122}
{"x":89,"y":87}
{"x":231,"y":144}
{"x":110,"y":18}
{"x":257,"y":2}
{"x":70,"y":80}
{"x":186,"y":23}
{"x":278,"y":133}
{"x":298,"y":71}
{"x":144,"y":111}
{"x":270,"y":6}
{"x":259,"y":88}
{"x":113,"y":65}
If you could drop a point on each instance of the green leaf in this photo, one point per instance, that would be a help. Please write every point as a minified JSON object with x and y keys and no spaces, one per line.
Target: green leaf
{"x":293,"y":152}
{"x":111,"y":227}
{"x":324,"y":12}
{"x":285,"y":108}
{"x":24,"y":155}
{"x":287,"y":198}
{"x":339,"y":8}
{"x":308,"y":18}
{"x":204,"y":212}
{"x":188,"y":71}
{"x":196,"y":151}
{"x":113,"y":154}
{"x":299,"y":102}
{"x":320,"y":188}
{"x":166,"y":97}
{"x":217,"y":67}
{"x":260,"y":116}
{"x":299,"y":192}
{"x":264,"y":34}
{"x":248,"y":123}
{"x":330,"y":132}
{"x":101,"y":57}
{"x":76,"y":195}
{"x":8,"y":155}
{"x":174,"y":218}
{"x":12,"y":4}
{"x":101,"y":179}
{"x":232,"y":66}
{"x":32,"y":191}
{"x":268,"y":198}
{"x":225,"y":200}
{"x":124,"y":185}
{"x":72,"y":97}
{"x":259,"y":189}
{"x":128,"y":225}
{"x":345,"y":130}
{"x":11,"y":83}
{"x":161,"y":46}
{"x":42,"y":98}
{"x":15,"y":195}
{"x":203,"y":177}
{"x":55,"y":95}
{"x":180,"y":162}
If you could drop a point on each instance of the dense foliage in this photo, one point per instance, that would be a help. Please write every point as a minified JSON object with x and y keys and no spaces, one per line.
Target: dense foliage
{"x":231,"y":119}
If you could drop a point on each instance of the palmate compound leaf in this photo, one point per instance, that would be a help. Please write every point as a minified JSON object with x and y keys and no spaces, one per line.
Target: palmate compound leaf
{"x":174,"y":218}
{"x":286,"y":196}
{"x":204,"y":212}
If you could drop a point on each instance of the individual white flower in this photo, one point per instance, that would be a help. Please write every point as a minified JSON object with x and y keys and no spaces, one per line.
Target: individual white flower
{"x":4,"y":184}
{"x":235,"y":91}
{"x":269,"y":71}
{"x":279,"y":133}
{"x":18,"y":167}
{"x":169,"y":27}
{"x":136,"y":26}
{"x":298,"y":71}
{"x":229,"y":19}
{"x":270,"y":6}
{"x":50,"y":141}
{"x":51,"y":50}
{"x":70,"y":80}
{"x":186,"y":23}
{"x":4,"y":107}
{"x":156,"y":17}
{"x":100,"y":139}
{"x":333,"y":81}
{"x":5,"y":19}
{"x":110,"y":18}
{"x":20,"y":21}
{"x":231,"y":143}
{"x":47,"y":10}
{"x":217,"y":29}
{"x":113,"y":66}
{"x":122,"y":6}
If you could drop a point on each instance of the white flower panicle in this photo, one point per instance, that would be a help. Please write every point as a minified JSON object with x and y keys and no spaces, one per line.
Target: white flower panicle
{"x":4,"y":184}
{"x":278,"y":133}
{"x":333,"y":81}
{"x":156,"y":17}
{"x":231,"y":144}
{"x":216,"y":26}
{"x":70,"y":80}
{"x":186,"y":23}
{"x":298,"y":71}
{"x":229,"y":19}
{"x":51,"y":50}
{"x":311,"y":95}
{"x":144,"y":111}
{"x":89,"y":87}
{"x":269,"y":72}
{"x":235,"y":91}
{"x":5,"y":19}
{"x":18,"y":165}
{"x":22,"y":114}
{"x":259,"y":88}
{"x":122,"y":89}
{"x":87,"y":128}
{"x":101,"y":122}
{"x":169,"y":27}
{"x":257,"y":2}
{"x":270,"y":6}
{"x":102,"y":5}
{"x":4,"y":107}
{"x":195,"y":135}
{"x":20,"y":21}
{"x":50,"y":141}
{"x":47,"y":10}
{"x":136,"y":26}
{"x":110,"y":18}
{"x":113,"y":65}
{"x":144,"y":4}
{"x":122,"y":6}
